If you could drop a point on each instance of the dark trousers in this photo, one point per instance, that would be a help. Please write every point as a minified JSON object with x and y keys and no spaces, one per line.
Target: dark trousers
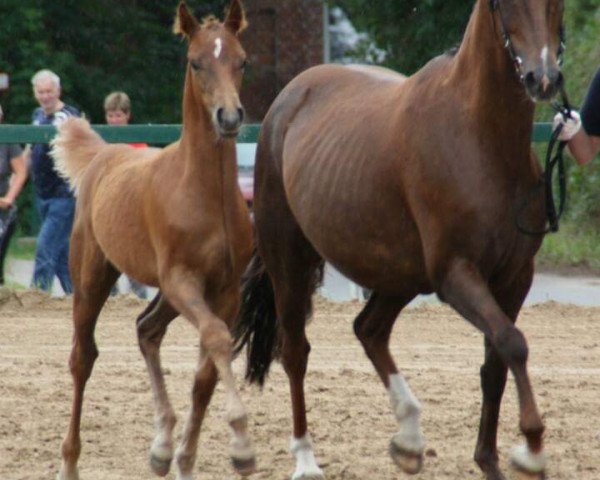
{"x":8,"y":230}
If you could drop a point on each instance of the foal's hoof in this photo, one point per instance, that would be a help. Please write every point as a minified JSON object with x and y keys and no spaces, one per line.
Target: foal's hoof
{"x":242,"y":456}
{"x":409,"y":462}
{"x":244,"y":466}
{"x":528,"y":465}
{"x":160,"y":466}
{"x":66,"y":474}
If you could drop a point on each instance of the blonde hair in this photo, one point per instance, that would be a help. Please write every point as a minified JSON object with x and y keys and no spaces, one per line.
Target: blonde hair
{"x":117,"y":101}
{"x":45,"y":74}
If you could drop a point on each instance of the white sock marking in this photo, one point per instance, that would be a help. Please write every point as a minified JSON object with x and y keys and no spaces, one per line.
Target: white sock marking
{"x":306,"y":464}
{"x":407,"y":410}
{"x":526,"y":459}
{"x":218,"y":47}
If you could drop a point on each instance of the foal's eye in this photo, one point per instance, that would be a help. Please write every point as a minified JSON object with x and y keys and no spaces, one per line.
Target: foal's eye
{"x":243,"y":65}
{"x":195,"y":65}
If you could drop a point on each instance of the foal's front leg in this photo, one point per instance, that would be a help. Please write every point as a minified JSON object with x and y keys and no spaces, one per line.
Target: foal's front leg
{"x":215,"y":359}
{"x":151,"y":328}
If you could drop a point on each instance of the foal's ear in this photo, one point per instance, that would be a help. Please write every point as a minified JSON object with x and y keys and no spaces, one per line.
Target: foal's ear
{"x":235,"y":21}
{"x":185,"y":22}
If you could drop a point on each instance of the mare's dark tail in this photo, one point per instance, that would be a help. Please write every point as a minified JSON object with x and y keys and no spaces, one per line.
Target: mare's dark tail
{"x":256,"y":326}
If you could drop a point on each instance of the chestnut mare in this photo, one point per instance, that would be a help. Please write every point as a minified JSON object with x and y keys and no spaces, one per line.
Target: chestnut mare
{"x":408,"y":186}
{"x":173,"y":218}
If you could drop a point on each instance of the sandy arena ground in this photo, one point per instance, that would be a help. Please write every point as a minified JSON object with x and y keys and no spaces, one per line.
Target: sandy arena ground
{"x":349,"y":415}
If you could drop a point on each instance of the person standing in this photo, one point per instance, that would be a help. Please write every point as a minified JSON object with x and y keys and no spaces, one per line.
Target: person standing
{"x":13,"y":175}
{"x":583,"y":143}
{"x":54,"y":198}
{"x":117,"y":111}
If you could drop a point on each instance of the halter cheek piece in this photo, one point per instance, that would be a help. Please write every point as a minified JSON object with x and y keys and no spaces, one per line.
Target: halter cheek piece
{"x":508,"y":45}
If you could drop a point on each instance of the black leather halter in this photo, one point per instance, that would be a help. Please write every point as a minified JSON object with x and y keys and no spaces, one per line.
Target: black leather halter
{"x":496,"y":6}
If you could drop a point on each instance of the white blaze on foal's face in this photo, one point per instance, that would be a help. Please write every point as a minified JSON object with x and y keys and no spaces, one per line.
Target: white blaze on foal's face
{"x":544,"y":57}
{"x":218,"y":47}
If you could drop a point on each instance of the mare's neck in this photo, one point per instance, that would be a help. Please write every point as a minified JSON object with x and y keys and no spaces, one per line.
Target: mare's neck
{"x":485,"y":72}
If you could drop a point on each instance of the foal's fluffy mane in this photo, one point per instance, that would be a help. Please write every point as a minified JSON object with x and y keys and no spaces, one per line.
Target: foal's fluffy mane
{"x":210,"y":21}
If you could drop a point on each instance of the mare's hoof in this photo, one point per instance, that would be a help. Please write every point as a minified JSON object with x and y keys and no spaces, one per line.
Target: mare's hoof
{"x":309,"y":476}
{"x":409,"y":462}
{"x":160,"y":466}
{"x":523,"y":475}
{"x":528,"y":465}
{"x":244,"y":466}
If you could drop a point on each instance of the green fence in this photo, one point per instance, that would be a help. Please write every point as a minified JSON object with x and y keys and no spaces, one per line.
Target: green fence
{"x":154,"y":134}
{"x":160,"y":134}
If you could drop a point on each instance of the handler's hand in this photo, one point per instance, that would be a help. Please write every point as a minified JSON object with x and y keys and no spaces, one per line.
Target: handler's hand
{"x":570,"y":127}
{"x":5,"y":203}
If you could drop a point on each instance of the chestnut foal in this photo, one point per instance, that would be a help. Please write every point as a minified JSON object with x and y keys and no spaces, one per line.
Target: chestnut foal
{"x":172,"y":218}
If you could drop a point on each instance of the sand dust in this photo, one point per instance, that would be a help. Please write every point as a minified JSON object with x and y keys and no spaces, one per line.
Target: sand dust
{"x":349,"y":415}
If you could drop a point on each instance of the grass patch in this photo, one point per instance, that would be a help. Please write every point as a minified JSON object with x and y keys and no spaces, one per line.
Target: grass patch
{"x":22,"y":248}
{"x":572,"y":248}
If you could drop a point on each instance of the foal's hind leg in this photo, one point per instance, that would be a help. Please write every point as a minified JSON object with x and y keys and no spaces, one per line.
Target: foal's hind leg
{"x":93,"y":278}
{"x":464,"y":288}
{"x":186,"y":293}
{"x":151,"y":328}
{"x":493,"y":378}
{"x":373,"y":327}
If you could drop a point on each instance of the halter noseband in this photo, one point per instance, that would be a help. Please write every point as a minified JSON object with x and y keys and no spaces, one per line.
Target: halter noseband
{"x":508,"y":44}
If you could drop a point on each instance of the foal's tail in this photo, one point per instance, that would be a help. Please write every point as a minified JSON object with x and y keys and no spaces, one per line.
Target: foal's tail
{"x":256,"y":326}
{"x":73,"y":148}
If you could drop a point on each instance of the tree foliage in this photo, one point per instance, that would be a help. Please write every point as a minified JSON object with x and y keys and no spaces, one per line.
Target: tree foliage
{"x":96,"y":46}
{"x":412,"y":31}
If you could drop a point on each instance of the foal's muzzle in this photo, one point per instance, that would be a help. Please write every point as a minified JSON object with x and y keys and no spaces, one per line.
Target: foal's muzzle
{"x":543,"y":84}
{"x":229,"y":121}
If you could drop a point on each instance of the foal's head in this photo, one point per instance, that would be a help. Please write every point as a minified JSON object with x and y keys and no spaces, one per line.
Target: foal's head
{"x":533,"y":35}
{"x":217,"y":62}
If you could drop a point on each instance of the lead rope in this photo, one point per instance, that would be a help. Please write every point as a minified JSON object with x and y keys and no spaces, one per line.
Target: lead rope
{"x":553,"y":160}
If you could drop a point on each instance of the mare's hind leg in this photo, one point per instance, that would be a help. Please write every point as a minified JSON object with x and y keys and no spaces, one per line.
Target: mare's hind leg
{"x":493,"y":378}
{"x":373,"y":327}
{"x":93,"y":277}
{"x":463,"y":287}
{"x":295,"y":269}
{"x":151,"y":328}
{"x":187,"y":293}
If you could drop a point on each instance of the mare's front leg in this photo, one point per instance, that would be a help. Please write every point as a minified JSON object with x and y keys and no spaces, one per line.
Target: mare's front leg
{"x":464,"y":289}
{"x":186,"y":293}
{"x":493,"y":377}
{"x":373,"y":327}
{"x":93,"y":277}
{"x":151,"y":328}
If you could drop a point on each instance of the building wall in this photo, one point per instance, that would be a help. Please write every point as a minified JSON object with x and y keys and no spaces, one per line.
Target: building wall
{"x":284,"y":38}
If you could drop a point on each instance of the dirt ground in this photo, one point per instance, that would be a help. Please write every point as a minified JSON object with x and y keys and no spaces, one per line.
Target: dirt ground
{"x":349,"y":414}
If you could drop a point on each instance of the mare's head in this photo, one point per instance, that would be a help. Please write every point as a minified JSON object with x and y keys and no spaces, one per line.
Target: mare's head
{"x":532,"y":32}
{"x":216,"y":61}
